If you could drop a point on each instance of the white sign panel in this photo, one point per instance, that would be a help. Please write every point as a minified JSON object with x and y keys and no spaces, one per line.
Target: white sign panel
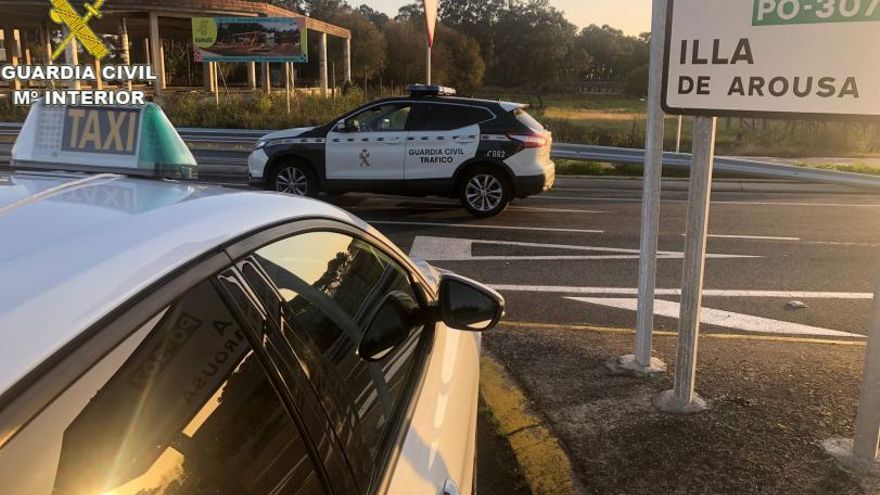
{"x":773,"y":58}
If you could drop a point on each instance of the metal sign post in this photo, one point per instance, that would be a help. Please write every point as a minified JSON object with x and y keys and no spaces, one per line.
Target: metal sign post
{"x":641,"y":362}
{"x":682,"y":398}
{"x":868,"y":417}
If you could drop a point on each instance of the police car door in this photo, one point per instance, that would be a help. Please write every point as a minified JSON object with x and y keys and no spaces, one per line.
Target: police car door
{"x":371,"y":145}
{"x":442,"y":137}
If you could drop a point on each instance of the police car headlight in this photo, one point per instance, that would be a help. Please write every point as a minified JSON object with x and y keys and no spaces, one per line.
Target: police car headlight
{"x":261,"y":144}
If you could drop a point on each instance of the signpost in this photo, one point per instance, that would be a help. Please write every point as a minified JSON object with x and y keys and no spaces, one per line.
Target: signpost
{"x":431,"y":9}
{"x":801,"y":59}
{"x":642,"y":362}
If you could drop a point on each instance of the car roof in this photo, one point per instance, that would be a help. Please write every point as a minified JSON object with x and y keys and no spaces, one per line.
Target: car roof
{"x":507,"y":106}
{"x":76,"y":247}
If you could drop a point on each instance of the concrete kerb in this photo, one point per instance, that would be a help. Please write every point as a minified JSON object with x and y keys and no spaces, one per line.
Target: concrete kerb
{"x":866,"y":473}
{"x":543,"y":463}
{"x":718,"y":185}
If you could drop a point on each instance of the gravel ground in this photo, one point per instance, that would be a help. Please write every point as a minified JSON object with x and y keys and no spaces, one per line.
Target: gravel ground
{"x":771,"y":404}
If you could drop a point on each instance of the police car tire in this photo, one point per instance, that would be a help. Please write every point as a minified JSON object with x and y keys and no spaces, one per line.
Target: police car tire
{"x":294,"y":178}
{"x":496,"y":186}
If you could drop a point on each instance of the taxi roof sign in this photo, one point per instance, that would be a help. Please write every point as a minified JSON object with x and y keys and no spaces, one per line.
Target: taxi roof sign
{"x":131,"y":140}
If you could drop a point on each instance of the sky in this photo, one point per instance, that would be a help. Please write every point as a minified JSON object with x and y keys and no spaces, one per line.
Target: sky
{"x":632,"y":16}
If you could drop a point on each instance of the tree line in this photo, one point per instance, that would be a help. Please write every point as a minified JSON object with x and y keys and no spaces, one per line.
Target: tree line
{"x":511,"y":44}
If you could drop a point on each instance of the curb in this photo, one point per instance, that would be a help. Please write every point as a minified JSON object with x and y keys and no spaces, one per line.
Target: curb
{"x":544,"y":465}
{"x":718,"y":185}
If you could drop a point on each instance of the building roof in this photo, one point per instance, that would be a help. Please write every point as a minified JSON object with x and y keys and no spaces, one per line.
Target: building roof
{"x":75,"y":247}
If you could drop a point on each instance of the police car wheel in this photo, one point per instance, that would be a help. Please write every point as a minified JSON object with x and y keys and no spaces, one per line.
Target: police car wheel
{"x":295,"y":179}
{"x":485,"y":193}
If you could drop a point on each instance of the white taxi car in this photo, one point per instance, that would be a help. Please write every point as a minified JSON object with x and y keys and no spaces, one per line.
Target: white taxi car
{"x":484,"y":152}
{"x":170,"y":337}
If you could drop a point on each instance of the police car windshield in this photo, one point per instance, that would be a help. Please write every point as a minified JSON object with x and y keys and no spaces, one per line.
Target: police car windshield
{"x":527,"y":120}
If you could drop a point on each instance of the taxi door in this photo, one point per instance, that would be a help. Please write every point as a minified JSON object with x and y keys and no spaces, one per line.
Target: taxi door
{"x":370,"y":145}
{"x":442,"y":137}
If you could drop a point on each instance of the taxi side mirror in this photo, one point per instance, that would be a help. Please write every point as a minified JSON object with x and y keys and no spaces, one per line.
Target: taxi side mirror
{"x":465,"y":304}
{"x":389,"y":326}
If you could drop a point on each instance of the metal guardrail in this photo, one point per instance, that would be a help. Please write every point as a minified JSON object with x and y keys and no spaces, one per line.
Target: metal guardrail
{"x":585,"y":152}
{"x":722,"y":164}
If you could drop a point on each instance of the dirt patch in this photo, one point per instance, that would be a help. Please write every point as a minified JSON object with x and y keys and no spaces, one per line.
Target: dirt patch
{"x":771,"y":405}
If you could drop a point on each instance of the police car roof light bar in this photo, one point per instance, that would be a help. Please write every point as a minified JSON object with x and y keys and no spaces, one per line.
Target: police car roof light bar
{"x":429,"y":90}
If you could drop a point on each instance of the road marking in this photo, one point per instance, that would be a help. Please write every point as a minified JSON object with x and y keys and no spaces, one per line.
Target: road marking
{"x":717,"y":317}
{"x":752,"y":237}
{"x":397,"y":203}
{"x":544,"y":465}
{"x":714,"y":202}
{"x":484,"y":226}
{"x":625,"y":291}
{"x":431,"y":248}
{"x":659,"y":333}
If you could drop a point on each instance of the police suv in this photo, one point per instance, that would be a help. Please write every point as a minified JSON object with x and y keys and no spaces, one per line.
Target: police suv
{"x":431,"y":143}
{"x":167,"y":337}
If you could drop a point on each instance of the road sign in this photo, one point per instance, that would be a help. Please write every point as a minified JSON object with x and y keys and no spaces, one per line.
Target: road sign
{"x":250,"y":39}
{"x":772,"y":58}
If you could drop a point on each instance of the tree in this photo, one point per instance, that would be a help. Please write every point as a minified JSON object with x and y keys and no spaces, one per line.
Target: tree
{"x":410,"y":12}
{"x":368,"y":48}
{"x":457,"y":60}
{"x":531,"y":43}
{"x":377,"y":18}
{"x":405,"y":60}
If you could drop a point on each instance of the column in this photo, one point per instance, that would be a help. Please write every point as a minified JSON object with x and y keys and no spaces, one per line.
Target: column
{"x":148,"y":56}
{"x":71,"y":56}
{"x":126,"y":51}
{"x":322,"y":54}
{"x":99,"y":82}
{"x":155,"y":51}
{"x":267,"y":78}
{"x":252,"y":75}
{"x":346,"y":54}
{"x":46,"y":42}
{"x":208,"y":75}
{"x":162,"y":63}
{"x":12,"y":42}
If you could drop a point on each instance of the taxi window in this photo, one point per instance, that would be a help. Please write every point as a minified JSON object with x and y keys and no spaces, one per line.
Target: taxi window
{"x":382,"y":118}
{"x":331,"y":283}
{"x":187,"y":410}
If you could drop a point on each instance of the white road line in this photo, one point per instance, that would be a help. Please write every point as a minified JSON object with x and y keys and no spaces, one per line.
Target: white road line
{"x":484,"y":226}
{"x":625,"y":291}
{"x":753,"y":237}
{"x":431,"y":248}
{"x":433,"y":206}
{"x":714,"y":202}
{"x":717,"y":317}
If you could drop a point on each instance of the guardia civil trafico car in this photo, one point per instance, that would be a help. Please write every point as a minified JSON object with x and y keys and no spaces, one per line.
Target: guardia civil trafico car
{"x":431,"y":143}
{"x":168,"y":337}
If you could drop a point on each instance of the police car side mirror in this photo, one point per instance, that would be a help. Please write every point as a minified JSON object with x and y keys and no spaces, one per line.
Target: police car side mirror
{"x":346,"y":126}
{"x":465,"y":304}
{"x":390,"y":325}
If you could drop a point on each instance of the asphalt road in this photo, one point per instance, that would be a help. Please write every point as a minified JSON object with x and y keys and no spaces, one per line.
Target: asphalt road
{"x":571,"y":256}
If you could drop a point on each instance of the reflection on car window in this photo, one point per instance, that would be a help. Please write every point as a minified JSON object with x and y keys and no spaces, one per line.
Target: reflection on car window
{"x":391,"y":117}
{"x":332,"y":285}
{"x":191,"y":411}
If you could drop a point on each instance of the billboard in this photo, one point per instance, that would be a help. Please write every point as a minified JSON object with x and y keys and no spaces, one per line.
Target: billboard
{"x":772,"y":58}
{"x":250,"y":39}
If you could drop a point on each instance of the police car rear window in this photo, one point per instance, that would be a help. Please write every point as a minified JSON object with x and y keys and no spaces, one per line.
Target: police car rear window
{"x":442,"y":117}
{"x":527,"y":120}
